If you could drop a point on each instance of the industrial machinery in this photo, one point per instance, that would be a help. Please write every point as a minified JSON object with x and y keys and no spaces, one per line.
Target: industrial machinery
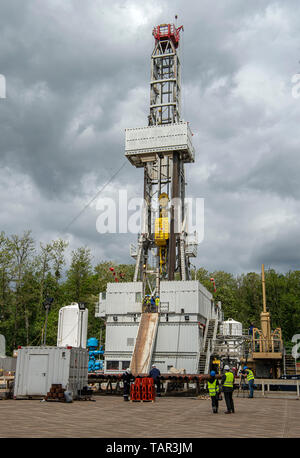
{"x":267,"y":344}
{"x":266,"y":352}
{"x":162,"y":149}
{"x":230,"y":345}
{"x":171,"y":332}
{"x":95,"y":363}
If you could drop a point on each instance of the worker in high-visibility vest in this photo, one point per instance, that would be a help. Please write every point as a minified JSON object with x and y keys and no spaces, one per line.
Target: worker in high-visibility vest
{"x":148,"y":303}
{"x":157,"y":302}
{"x":250,"y":378}
{"x":213,"y":390}
{"x":228,"y":386}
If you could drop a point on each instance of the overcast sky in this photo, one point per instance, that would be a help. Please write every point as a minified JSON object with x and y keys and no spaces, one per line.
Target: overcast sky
{"x":77,"y":74}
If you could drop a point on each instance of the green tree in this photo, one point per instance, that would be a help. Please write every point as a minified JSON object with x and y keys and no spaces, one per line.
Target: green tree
{"x":226,"y":292}
{"x":79,"y":284}
{"x":21,"y":249}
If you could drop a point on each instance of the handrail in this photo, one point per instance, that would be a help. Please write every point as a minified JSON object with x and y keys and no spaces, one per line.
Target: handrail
{"x":205,"y":336}
{"x":272,"y":345}
{"x":208,"y":354}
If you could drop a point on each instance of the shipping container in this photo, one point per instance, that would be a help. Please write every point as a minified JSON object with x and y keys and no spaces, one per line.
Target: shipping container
{"x":40,"y":367}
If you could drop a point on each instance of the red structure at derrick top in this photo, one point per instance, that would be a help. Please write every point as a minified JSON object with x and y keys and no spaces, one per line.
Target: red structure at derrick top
{"x":167,"y":31}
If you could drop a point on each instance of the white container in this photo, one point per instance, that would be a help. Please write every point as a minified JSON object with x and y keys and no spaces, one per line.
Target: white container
{"x":153,"y":139}
{"x":231,"y":328}
{"x":72,"y":326}
{"x":40,"y":367}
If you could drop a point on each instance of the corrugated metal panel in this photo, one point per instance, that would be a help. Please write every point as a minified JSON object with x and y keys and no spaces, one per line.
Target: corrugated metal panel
{"x":8,"y":363}
{"x":123,"y":298}
{"x":100,"y":309}
{"x":163,"y":138}
{"x":188,"y":295}
{"x":183,"y":337}
{"x":40,"y":367}
{"x":116,"y":336}
{"x":126,"y":287}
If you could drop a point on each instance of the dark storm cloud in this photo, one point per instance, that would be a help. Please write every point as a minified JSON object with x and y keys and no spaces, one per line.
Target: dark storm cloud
{"x":64,"y":76}
{"x":78,"y":74}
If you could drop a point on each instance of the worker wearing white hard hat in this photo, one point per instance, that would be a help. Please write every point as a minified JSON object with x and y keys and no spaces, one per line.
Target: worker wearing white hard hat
{"x":227,"y":386}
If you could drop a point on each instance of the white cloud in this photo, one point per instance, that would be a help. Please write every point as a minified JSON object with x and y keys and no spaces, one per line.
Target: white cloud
{"x":77,"y":75}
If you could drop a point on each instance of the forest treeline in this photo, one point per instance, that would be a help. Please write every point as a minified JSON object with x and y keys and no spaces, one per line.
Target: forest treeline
{"x":30,"y":274}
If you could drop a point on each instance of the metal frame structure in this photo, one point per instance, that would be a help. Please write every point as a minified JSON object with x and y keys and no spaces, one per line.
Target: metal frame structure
{"x":161,"y":149}
{"x":170,"y":332}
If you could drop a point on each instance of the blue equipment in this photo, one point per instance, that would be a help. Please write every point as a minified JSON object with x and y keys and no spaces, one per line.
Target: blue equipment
{"x":94,"y":364}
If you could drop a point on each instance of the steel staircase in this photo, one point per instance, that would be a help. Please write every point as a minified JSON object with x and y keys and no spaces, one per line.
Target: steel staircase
{"x":289,"y":364}
{"x":208,"y":346}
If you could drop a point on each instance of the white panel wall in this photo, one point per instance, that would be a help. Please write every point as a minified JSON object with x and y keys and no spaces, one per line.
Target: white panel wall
{"x":117,"y":335}
{"x":121,"y":298}
{"x":174,"y":337}
{"x":176,"y":345}
{"x":159,"y":138}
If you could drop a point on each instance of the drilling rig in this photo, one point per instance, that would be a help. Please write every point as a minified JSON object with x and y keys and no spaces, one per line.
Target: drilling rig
{"x":177,"y":332}
{"x":162,"y":149}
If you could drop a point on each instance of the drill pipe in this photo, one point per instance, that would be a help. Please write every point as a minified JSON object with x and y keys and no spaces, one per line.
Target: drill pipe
{"x":184,"y":378}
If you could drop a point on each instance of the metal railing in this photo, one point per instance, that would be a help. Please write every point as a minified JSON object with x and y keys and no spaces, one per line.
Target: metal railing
{"x":262,"y":345}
